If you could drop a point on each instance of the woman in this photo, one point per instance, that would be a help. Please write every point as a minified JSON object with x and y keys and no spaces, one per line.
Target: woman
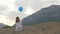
{"x":18,"y":25}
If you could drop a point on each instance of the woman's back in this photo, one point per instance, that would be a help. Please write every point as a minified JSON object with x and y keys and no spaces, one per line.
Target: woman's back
{"x":18,"y":25}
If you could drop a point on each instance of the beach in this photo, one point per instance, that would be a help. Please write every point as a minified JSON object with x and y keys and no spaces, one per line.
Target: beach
{"x":42,"y":28}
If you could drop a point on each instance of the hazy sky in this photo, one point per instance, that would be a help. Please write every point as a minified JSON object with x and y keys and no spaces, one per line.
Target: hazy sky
{"x":8,"y":8}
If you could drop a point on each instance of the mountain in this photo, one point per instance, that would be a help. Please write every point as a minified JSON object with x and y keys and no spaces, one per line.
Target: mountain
{"x":2,"y":25}
{"x":51,"y":13}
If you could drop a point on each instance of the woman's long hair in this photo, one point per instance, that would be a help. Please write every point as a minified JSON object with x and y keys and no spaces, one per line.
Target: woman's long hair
{"x":17,"y":19}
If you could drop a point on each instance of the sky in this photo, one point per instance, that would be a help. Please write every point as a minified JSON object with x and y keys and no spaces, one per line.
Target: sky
{"x":9,"y":9}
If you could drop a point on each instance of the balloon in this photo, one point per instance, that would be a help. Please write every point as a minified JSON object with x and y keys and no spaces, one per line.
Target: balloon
{"x":20,"y":9}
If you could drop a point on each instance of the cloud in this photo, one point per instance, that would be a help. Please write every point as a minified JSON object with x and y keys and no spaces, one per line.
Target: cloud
{"x":36,"y":4}
{"x":8,"y":8}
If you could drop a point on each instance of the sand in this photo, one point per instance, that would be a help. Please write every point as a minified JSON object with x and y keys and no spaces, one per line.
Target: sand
{"x":42,"y":28}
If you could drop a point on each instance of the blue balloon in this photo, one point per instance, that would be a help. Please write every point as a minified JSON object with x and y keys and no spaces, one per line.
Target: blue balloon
{"x":20,"y":9}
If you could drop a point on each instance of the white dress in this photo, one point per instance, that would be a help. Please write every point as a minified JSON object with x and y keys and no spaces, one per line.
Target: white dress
{"x":18,"y":26}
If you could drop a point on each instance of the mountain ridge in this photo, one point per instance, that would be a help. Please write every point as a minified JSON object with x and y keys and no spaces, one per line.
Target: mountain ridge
{"x":51,"y":13}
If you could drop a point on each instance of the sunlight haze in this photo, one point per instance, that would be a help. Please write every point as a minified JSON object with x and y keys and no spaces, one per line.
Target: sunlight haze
{"x":9,"y":9}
